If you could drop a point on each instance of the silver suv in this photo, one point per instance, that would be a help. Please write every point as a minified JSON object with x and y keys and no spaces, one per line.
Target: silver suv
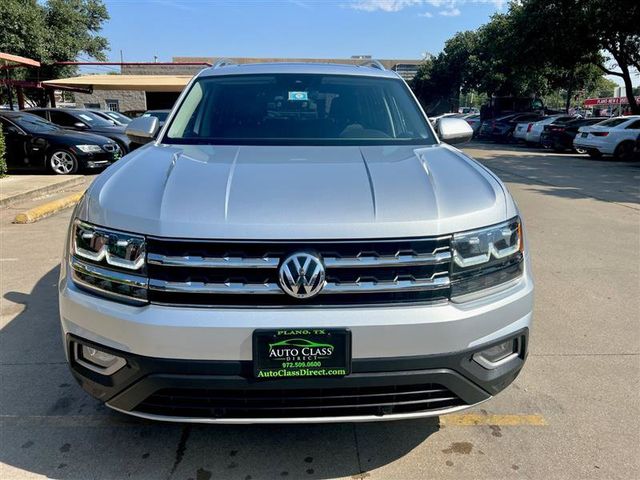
{"x":295,"y":245}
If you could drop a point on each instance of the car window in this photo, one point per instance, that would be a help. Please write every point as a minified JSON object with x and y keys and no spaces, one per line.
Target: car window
{"x":94,"y":120}
{"x":161,"y":116}
{"x":62,"y":118}
{"x":34,"y":124}
{"x":612,"y":123}
{"x":40,"y":113}
{"x":311,"y":109}
{"x":634,"y":126}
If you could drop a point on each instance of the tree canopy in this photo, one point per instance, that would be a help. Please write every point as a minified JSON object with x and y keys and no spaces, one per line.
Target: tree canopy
{"x":537,"y":47}
{"x":52,"y":31}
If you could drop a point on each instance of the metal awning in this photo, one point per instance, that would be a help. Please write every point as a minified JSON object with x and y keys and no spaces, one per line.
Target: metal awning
{"x":9,"y":60}
{"x":147,"y":83}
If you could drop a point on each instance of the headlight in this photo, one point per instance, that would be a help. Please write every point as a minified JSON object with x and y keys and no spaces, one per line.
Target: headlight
{"x":108,"y":261}
{"x":89,"y":148}
{"x":486,"y":257}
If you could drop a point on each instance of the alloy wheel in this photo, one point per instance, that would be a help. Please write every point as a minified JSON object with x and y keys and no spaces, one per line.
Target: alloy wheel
{"x":62,"y":163}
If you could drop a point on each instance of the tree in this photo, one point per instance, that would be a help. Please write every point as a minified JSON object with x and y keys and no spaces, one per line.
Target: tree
{"x":570,"y":33}
{"x":55,"y":31}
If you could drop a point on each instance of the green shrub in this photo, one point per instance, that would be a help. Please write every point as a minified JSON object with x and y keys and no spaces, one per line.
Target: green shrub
{"x":3,"y":163}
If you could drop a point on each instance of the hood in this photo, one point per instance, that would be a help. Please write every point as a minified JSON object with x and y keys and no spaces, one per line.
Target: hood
{"x":71,"y":137}
{"x":292,"y":192}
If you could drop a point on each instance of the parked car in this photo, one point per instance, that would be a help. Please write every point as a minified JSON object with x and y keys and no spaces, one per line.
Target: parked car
{"x":559,"y":135}
{"x":34,"y":143}
{"x":501,"y":129}
{"x":84,"y":121}
{"x":133,"y":113}
{"x":532,"y":136}
{"x":113,"y":116}
{"x":161,"y":115}
{"x":474,"y":122}
{"x":297,"y":245}
{"x":615,"y":136}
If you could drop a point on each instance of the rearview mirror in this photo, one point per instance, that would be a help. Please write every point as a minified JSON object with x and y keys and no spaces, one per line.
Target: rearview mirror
{"x":79,"y":125}
{"x":142,"y":129}
{"x":454,"y":130}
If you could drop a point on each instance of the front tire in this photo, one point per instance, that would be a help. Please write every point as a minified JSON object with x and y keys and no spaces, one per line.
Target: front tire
{"x":63,"y":162}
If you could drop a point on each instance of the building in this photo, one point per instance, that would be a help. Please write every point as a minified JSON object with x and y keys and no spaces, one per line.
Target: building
{"x":140,"y":99}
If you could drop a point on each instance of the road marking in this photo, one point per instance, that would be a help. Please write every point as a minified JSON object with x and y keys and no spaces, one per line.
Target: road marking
{"x":473,"y":419}
{"x":9,"y":259}
{"x":114,"y":420}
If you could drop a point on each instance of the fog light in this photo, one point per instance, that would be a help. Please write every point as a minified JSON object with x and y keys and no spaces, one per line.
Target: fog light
{"x":97,"y":360}
{"x":498,"y":355}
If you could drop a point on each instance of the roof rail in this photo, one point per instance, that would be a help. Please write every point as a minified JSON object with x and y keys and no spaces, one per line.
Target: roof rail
{"x":224,"y":62}
{"x":372,"y":64}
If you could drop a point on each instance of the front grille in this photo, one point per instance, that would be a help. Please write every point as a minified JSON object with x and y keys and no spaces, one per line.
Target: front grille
{"x":246,"y":273}
{"x":110,"y":147}
{"x":291,"y":403}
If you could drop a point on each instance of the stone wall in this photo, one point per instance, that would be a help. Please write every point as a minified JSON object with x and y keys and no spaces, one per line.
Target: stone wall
{"x":127,"y":99}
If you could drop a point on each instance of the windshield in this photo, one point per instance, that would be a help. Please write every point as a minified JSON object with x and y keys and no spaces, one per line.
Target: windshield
{"x":94,"y":120}
{"x":305,"y":109}
{"x":118,"y":116}
{"x":612,"y":123}
{"x":34,"y":124}
{"x":161,"y":116}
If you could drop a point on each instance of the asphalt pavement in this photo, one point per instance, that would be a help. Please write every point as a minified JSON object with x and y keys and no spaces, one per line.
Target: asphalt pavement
{"x":573,"y":413}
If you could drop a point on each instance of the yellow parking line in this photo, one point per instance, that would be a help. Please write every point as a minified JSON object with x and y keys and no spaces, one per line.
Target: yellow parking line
{"x":471,"y":419}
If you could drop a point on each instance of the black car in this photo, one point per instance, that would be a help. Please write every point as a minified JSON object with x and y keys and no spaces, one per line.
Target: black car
{"x":85,"y":121}
{"x":113,"y":116}
{"x":501,"y":129}
{"x":559,"y":136}
{"x":34,"y":143}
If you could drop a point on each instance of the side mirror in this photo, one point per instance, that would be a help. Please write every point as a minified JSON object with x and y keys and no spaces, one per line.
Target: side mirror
{"x":80,"y":125}
{"x":454,"y":130}
{"x":142,"y":129}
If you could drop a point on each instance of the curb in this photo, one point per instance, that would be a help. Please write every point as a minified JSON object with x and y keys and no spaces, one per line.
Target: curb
{"x":49,"y":208}
{"x":42,"y":191}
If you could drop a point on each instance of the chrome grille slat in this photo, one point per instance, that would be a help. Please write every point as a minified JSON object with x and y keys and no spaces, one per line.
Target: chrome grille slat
{"x":389,"y":261}
{"x":394,"y":286}
{"x":212,"y":262}
{"x":274,"y":289}
{"x":216,"y":288}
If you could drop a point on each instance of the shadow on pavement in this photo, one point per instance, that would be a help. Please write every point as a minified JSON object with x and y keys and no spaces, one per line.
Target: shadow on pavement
{"x":564,"y":175}
{"x":50,"y":427}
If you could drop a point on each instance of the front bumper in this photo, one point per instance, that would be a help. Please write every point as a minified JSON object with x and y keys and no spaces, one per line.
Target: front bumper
{"x":173,"y":352}
{"x":227,"y":392}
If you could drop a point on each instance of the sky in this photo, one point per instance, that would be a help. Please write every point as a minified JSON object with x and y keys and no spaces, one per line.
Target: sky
{"x":293,"y":28}
{"x":406,"y":29}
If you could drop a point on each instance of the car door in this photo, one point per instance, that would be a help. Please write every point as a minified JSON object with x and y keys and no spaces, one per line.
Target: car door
{"x":15,"y":140}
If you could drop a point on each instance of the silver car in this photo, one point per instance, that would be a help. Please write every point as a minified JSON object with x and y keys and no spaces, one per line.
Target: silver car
{"x":296,"y":244}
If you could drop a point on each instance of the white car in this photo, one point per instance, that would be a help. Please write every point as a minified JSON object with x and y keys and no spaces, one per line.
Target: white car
{"x":534,"y":130}
{"x":520,"y":132}
{"x":615,"y":136}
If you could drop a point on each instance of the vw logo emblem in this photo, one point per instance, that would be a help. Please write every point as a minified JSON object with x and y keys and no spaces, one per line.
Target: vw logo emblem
{"x":302,"y":275}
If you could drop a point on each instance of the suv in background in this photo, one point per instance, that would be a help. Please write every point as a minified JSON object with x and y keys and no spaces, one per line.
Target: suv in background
{"x":297,"y":245}
{"x":85,"y":121}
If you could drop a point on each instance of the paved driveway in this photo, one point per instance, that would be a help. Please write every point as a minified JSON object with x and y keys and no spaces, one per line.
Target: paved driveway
{"x":573,"y":413}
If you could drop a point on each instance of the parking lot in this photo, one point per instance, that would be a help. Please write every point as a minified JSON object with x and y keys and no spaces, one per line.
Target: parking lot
{"x":573,"y":413}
